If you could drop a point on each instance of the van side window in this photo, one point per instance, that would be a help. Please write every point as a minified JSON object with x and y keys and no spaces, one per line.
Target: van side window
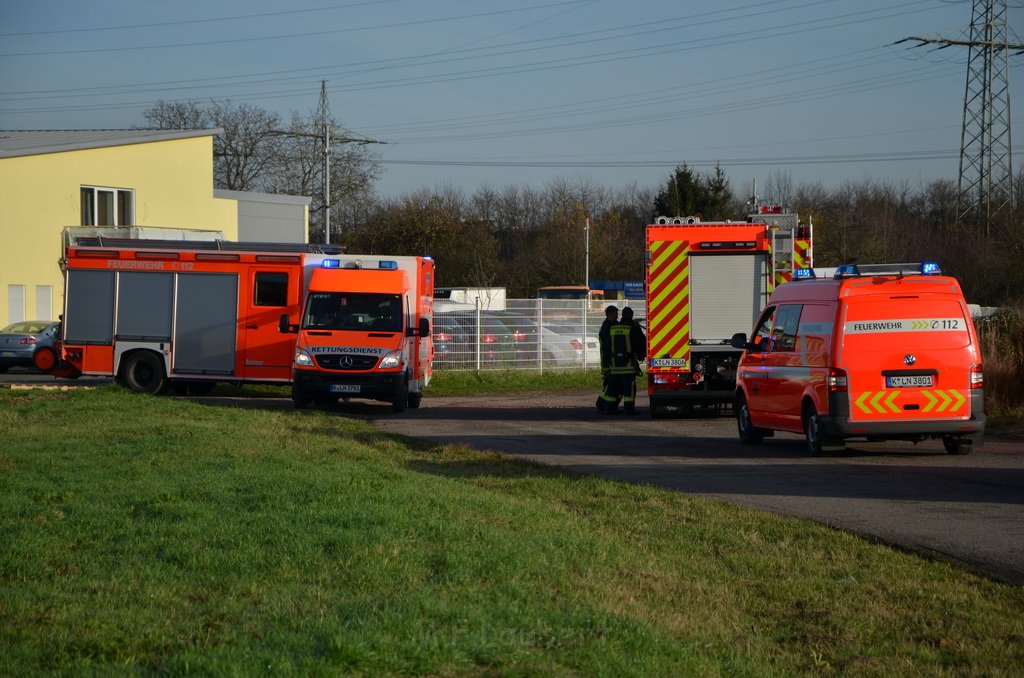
{"x":787,"y":320}
{"x":762,"y":337}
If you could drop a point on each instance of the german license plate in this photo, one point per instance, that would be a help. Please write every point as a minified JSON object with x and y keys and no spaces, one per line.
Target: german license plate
{"x":344,"y":388}
{"x":923,"y":380}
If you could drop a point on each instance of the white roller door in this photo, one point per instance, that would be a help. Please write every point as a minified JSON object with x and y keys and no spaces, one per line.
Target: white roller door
{"x":727,"y":292}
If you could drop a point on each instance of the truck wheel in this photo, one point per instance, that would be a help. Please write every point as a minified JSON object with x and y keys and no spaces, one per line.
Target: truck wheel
{"x":402,"y":397}
{"x":414,"y":400}
{"x":817,"y":443}
{"x":143,"y":372}
{"x":957,"y":445}
{"x":749,"y":434}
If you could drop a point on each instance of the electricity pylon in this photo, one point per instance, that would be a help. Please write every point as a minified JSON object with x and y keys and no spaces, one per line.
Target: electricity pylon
{"x":985,"y":186}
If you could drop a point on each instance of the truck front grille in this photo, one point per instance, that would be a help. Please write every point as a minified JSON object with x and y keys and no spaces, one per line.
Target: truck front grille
{"x":346,"y":362}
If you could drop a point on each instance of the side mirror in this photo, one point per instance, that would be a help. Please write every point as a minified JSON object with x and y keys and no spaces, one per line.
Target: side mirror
{"x":739,"y":340}
{"x":424,"y":327}
{"x":285,"y":327}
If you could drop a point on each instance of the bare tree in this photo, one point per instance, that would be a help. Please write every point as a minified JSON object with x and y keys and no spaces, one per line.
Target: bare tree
{"x":257,"y":152}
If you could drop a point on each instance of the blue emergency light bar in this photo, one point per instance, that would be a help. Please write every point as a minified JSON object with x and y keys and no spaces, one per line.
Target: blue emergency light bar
{"x":804,"y":274}
{"x":387,"y":265}
{"x":853,"y":270}
{"x":331,"y":263}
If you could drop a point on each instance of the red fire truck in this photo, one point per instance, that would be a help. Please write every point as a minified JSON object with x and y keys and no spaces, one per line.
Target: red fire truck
{"x":185,"y":315}
{"x":705,"y":280}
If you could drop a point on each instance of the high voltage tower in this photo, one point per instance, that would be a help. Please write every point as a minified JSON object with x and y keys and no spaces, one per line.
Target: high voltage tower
{"x":323,"y":128}
{"x":985,"y":187}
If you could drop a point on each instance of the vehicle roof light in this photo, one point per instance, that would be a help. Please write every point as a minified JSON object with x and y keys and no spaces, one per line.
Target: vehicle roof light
{"x":847,"y":270}
{"x":930,"y":268}
{"x":331,"y":263}
{"x":804,"y":274}
{"x":387,"y":265}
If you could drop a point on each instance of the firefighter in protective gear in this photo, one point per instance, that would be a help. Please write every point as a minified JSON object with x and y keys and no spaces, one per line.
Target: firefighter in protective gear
{"x":638,"y":344}
{"x":611,"y":316}
{"x":621,"y":382}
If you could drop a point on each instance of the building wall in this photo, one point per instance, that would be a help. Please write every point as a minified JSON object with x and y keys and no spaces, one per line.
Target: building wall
{"x":172,"y":182}
{"x":265,"y":217}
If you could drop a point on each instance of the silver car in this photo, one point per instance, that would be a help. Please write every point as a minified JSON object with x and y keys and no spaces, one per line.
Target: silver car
{"x":20,"y":341}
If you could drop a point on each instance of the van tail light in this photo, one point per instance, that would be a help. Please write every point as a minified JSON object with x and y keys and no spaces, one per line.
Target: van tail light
{"x":837,"y":381}
{"x":977,"y":376}
{"x":575,"y":343}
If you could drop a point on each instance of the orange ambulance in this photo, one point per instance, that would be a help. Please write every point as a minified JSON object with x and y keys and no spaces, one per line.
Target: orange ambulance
{"x":883,"y":352}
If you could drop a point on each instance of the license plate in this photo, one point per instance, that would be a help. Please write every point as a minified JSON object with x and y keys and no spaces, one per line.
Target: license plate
{"x":7,"y":354}
{"x":924,"y":380}
{"x":668,"y":362}
{"x":344,"y":388}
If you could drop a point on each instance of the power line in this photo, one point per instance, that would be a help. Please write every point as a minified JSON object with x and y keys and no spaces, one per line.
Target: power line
{"x":186,"y":22}
{"x":840,"y":158}
{"x":285,"y":36}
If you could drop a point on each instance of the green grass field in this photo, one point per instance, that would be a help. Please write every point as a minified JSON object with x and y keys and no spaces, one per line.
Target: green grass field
{"x":147,"y":535}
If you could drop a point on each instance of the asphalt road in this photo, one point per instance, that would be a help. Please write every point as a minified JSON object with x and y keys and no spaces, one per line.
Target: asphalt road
{"x":966,"y":509}
{"x":969,"y":510}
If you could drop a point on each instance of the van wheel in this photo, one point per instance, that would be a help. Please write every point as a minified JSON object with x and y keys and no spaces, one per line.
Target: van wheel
{"x":143,"y":372}
{"x":817,"y":443}
{"x":398,"y":405}
{"x":749,"y":434}
{"x":414,"y":400}
{"x":956,"y":445}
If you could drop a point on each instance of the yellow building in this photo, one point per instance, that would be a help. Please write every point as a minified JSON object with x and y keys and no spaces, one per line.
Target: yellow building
{"x":50,"y":180}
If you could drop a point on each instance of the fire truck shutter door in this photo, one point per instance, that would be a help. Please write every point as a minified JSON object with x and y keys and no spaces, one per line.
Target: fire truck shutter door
{"x":206,"y":323}
{"x":726,"y":293}
{"x":144,"y":306}
{"x":90,"y":307}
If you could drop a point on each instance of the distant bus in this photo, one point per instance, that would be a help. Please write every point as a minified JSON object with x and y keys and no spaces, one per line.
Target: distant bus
{"x":568,"y":292}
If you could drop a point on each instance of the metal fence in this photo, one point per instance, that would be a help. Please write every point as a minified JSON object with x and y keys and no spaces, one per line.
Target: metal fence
{"x":522,"y":334}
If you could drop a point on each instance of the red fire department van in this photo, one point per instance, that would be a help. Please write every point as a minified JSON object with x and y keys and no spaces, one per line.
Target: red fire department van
{"x":883,"y":352}
{"x":186,"y":315}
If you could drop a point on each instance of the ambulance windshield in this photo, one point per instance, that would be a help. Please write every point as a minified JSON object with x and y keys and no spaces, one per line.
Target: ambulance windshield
{"x":360,"y":311}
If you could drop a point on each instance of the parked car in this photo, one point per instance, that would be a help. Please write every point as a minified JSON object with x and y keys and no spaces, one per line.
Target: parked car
{"x":450,"y":337}
{"x":588,"y":347}
{"x":20,"y":341}
{"x":456,"y":337}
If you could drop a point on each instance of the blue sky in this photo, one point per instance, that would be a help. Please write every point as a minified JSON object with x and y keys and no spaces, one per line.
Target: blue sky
{"x":468,"y":93}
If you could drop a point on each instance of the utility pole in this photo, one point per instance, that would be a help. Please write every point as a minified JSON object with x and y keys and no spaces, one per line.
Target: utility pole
{"x":323,"y":118}
{"x":985,"y":184}
{"x":323,"y":125}
{"x":586,"y":254}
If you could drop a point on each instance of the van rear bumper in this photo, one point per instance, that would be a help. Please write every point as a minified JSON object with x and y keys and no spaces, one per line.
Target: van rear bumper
{"x":838,"y":424}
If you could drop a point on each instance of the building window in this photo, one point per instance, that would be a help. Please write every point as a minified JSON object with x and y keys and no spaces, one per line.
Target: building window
{"x":15,"y":303}
{"x":44,"y":302}
{"x":107,"y":206}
